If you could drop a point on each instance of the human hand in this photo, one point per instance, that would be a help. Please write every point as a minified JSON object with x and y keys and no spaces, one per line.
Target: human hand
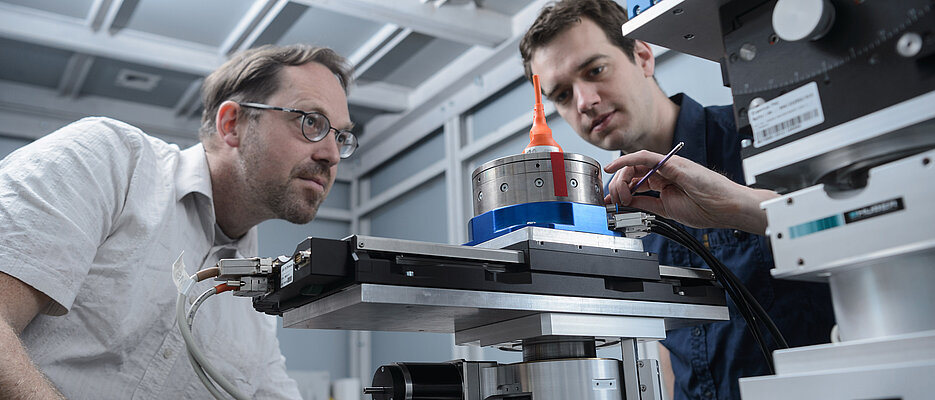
{"x":688,"y":193}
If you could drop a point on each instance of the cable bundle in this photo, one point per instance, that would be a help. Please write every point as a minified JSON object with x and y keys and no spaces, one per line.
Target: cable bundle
{"x":751,"y":310}
{"x":205,"y":371}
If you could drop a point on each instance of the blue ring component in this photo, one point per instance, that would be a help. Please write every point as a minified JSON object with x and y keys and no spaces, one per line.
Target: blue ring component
{"x":548,"y":214}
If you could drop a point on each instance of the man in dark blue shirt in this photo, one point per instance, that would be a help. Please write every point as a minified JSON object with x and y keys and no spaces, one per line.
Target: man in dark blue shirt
{"x":603,"y":85}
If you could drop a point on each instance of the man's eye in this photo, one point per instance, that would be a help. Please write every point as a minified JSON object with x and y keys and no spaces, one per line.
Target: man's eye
{"x":561,"y":97}
{"x":596,"y":70}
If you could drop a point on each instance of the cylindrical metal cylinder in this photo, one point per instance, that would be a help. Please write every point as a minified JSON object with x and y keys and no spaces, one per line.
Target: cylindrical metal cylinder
{"x":885,"y":299}
{"x":580,"y":379}
{"x":557,"y":347}
{"x":417,"y":381}
{"x":530,"y":178}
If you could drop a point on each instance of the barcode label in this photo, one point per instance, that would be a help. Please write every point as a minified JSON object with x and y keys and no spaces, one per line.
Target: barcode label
{"x":285,"y":274}
{"x":786,"y":115}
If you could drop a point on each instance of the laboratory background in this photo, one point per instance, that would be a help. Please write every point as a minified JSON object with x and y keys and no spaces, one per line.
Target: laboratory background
{"x":439,"y":91}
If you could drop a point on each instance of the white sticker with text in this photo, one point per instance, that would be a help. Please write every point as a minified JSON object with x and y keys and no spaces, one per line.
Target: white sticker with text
{"x":285,"y":274}
{"x":786,"y":115}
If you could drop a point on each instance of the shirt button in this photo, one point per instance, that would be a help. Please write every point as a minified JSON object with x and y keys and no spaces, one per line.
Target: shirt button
{"x":739,"y":235}
{"x":696,"y":332}
{"x":166,"y":353}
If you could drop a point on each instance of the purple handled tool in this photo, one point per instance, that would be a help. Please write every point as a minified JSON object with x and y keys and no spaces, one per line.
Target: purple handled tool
{"x":663,"y":161}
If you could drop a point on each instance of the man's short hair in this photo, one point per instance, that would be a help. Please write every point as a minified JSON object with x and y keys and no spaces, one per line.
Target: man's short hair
{"x":253,"y":75}
{"x":557,"y":17}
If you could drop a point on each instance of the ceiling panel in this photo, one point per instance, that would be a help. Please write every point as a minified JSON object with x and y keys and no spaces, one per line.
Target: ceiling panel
{"x":341,"y":32}
{"x":508,"y":7}
{"x":69,"y":8}
{"x":414,"y":60}
{"x":77,"y":48}
{"x":206,"y":22}
{"x":167,"y":92}
{"x":31,"y":64}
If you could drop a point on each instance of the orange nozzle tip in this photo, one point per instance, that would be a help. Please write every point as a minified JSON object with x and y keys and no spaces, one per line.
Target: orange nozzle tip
{"x":540,"y":135}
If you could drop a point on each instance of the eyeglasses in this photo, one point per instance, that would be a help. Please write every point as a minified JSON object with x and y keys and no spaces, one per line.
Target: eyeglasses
{"x":315,"y":126}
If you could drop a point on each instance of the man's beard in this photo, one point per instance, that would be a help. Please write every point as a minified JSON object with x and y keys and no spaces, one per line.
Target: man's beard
{"x":281,"y":198}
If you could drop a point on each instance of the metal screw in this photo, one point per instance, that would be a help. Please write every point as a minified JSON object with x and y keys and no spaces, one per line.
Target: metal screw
{"x":909,"y":44}
{"x":642,"y":388}
{"x":789,"y":201}
{"x":801,"y":262}
{"x":504,"y":187}
{"x":757,"y":102}
{"x":360,"y":244}
{"x":639,"y":364}
{"x":747,"y":52}
{"x":574,"y":183}
{"x":539,"y":182}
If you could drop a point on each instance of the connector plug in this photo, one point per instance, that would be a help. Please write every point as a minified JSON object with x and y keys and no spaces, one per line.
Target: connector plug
{"x":632,"y":224}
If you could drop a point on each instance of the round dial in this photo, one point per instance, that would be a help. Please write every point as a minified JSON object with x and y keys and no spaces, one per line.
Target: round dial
{"x":795,"y":20}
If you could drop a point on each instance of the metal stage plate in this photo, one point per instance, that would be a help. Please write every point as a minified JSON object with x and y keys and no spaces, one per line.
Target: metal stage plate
{"x":687,"y":26}
{"x":894,"y":367}
{"x":374,"y":307}
{"x":550,"y":235}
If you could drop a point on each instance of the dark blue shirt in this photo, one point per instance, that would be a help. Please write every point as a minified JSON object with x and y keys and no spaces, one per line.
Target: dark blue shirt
{"x":709,"y":359}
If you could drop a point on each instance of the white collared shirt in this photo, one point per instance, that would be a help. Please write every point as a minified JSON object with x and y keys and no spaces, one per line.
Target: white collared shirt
{"x":93,"y":215}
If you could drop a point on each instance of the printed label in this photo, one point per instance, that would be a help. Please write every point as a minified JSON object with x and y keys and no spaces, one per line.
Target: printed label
{"x":834,"y":221}
{"x":285,"y":274}
{"x":874,"y":210}
{"x":183,"y":282}
{"x":786,"y":115}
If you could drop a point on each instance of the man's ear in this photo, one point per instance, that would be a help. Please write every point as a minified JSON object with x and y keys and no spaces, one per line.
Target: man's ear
{"x":226,"y":123}
{"x":643,"y":57}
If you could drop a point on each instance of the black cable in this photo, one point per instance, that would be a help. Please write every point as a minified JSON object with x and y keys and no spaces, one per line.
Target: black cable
{"x":749,"y":308}
{"x":741,"y":303}
{"x":757,"y":308}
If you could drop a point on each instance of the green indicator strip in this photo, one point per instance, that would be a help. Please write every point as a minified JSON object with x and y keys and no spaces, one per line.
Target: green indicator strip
{"x":818,"y":225}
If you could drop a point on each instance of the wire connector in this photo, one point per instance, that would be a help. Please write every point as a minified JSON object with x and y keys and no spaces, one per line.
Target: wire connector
{"x":632,"y":224}
{"x":249,"y":276}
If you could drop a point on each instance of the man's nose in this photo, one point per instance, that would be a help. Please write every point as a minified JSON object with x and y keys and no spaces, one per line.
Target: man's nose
{"x":587,"y":97}
{"x":326,"y":150}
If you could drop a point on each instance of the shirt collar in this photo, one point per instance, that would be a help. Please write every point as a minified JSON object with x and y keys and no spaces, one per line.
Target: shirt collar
{"x":192,"y":175}
{"x":690,"y":128}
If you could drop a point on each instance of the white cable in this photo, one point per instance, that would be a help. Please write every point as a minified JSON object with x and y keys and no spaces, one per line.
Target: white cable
{"x":199,"y":371}
{"x":196,"y":354}
{"x":205,"y":380}
{"x":835,"y":334}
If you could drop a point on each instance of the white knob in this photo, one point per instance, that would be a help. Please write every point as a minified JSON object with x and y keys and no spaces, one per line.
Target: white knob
{"x":795,"y":20}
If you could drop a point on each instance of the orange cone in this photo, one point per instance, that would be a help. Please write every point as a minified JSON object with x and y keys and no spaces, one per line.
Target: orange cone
{"x":540,"y":136}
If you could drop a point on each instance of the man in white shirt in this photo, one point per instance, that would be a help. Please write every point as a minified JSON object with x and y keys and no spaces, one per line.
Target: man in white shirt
{"x":94,"y":214}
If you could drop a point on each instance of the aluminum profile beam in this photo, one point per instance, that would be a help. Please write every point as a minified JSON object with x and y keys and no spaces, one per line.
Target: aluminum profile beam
{"x":474,"y":26}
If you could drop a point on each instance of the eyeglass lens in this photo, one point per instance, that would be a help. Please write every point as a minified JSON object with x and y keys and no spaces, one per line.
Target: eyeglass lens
{"x":315,"y":128}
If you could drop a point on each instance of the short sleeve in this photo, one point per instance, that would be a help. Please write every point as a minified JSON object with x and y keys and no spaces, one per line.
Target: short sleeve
{"x":59,"y":197}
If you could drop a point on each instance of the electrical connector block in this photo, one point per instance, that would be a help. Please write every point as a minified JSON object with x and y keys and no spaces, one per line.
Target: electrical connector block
{"x":250,"y":286}
{"x":631,"y":224}
{"x":236,"y":267}
{"x":249,"y":275}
